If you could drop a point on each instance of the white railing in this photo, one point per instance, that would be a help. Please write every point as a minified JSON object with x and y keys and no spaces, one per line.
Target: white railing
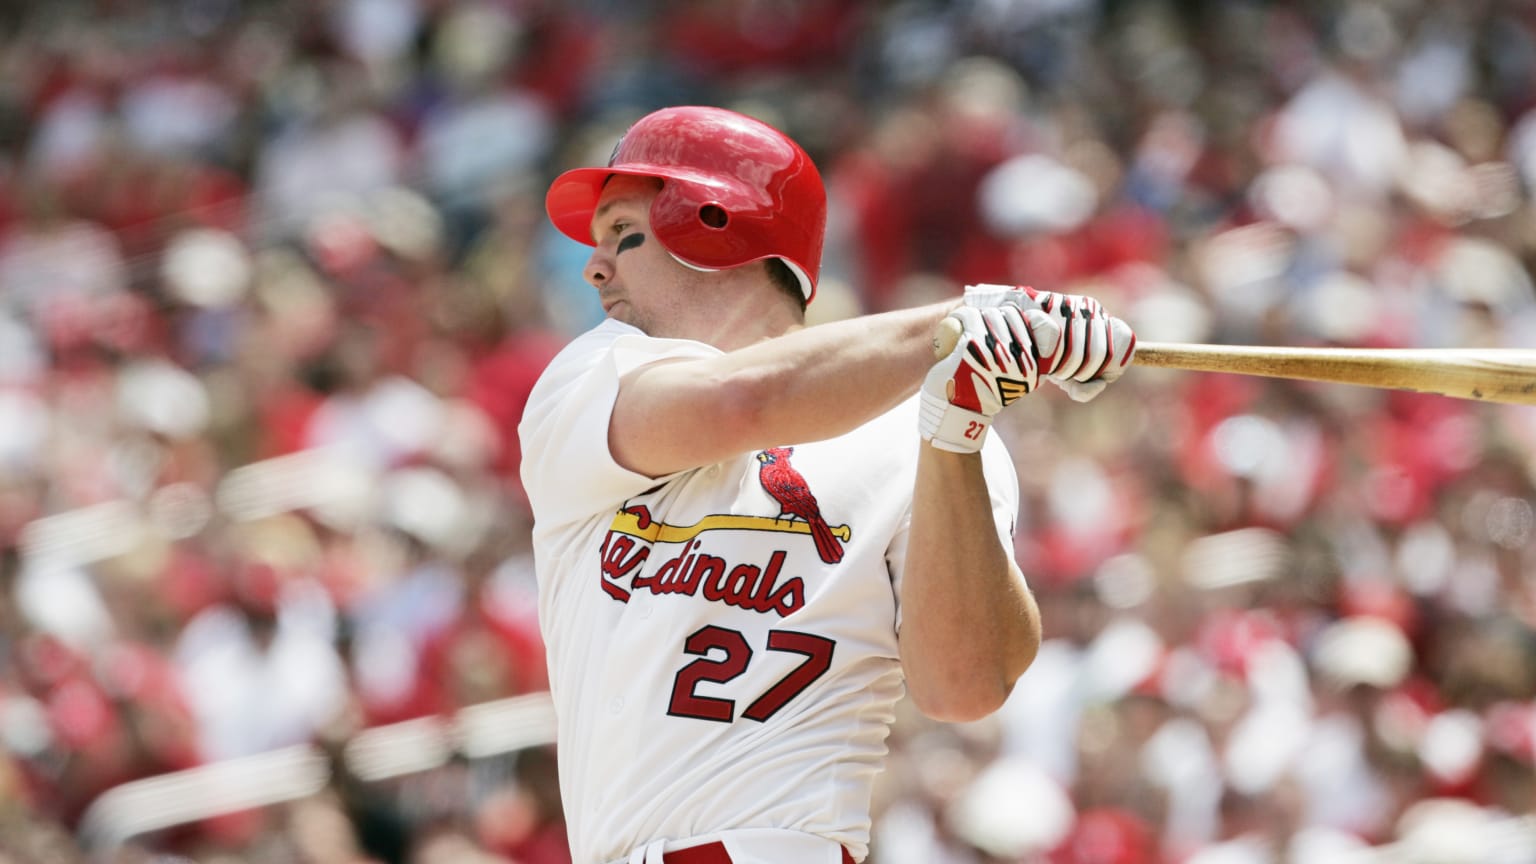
{"x":379,"y":753}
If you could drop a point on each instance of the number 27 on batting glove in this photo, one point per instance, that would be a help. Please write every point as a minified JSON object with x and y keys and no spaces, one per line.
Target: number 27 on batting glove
{"x":994,"y":362}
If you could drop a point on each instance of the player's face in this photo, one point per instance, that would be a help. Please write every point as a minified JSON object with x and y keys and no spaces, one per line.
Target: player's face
{"x":637,"y":281}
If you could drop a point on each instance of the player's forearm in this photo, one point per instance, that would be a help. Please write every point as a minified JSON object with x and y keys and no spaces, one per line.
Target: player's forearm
{"x":970,"y":626}
{"x":808,"y":385}
{"x":826,"y":380}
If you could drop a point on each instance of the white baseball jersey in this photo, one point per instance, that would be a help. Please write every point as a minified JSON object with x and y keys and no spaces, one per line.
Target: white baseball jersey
{"x":721,"y":641}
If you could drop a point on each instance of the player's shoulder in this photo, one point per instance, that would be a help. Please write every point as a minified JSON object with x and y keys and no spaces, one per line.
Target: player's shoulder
{"x":625,"y":345}
{"x":589,"y":345}
{"x":582,"y":353}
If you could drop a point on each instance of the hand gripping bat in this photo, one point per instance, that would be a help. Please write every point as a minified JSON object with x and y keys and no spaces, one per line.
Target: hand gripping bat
{"x":1506,"y":375}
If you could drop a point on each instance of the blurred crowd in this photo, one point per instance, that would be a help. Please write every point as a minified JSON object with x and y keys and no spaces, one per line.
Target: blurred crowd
{"x":275,"y":280}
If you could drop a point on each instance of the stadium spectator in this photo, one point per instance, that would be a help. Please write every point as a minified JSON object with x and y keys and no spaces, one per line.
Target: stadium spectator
{"x":274,"y":284}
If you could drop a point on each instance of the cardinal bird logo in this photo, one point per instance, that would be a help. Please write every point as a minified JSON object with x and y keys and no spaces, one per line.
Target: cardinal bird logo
{"x":788,"y":487}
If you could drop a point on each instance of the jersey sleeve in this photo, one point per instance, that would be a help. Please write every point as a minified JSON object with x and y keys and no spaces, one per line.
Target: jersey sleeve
{"x":1002,"y":488}
{"x":567,"y":469}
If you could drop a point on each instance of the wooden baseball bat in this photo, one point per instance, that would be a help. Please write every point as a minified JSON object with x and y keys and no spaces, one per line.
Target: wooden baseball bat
{"x":1486,"y":374}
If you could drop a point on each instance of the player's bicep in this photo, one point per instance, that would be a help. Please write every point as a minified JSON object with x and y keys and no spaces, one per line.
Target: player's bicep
{"x":675,"y":415}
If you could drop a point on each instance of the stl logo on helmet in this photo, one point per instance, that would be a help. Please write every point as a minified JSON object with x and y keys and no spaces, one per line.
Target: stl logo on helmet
{"x":693,"y":571}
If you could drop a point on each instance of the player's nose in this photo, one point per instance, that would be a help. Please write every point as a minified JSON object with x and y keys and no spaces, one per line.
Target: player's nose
{"x":599,"y":267}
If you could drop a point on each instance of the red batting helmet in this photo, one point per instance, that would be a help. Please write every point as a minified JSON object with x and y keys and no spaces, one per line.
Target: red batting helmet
{"x":735,"y":191}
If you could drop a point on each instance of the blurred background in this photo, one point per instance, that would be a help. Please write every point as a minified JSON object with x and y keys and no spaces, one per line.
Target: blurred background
{"x":275,"y":281}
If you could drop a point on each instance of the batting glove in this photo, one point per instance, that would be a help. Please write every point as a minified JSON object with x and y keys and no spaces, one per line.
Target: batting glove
{"x":994,"y":361}
{"x":1095,"y":346}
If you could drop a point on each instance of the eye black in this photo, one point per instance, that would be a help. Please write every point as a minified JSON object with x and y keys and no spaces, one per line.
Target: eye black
{"x":630,"y":241}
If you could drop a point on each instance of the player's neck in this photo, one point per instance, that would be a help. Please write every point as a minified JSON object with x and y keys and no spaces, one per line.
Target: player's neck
{"x":747,"y":318}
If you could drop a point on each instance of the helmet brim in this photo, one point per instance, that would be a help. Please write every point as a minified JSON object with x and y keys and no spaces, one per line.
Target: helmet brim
{"x":572,"y":201}
{"x":572,"y":198}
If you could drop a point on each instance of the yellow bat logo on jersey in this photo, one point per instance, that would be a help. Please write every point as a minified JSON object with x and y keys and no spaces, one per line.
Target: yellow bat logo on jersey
{"x":692,"y":570}
{"x":627,"y":522}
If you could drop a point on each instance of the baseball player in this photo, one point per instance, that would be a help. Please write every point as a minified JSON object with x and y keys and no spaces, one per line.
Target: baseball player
{"x":751,"y":535}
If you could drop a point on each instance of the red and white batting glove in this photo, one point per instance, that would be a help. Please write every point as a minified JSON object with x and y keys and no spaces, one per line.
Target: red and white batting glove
{"x":995,"y":361}
{"x":1095,"y":346}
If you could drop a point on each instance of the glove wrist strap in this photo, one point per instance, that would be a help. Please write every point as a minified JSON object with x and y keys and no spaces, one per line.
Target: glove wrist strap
{"x":950,"y":427}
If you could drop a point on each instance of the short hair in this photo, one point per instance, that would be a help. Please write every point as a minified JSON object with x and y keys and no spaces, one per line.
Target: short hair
{"x":786,"y":281}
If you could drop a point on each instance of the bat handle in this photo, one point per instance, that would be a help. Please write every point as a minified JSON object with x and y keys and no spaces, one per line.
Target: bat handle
{"x":945,"y":337}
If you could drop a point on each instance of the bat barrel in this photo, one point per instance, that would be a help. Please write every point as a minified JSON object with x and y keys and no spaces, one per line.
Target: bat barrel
{"x":1488,"y":374}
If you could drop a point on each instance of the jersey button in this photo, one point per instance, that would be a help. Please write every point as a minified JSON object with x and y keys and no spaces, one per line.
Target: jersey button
{"x":616,"y":705}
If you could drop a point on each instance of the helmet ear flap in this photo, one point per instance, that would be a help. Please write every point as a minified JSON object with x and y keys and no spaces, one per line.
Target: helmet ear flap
{"x":692,"y":223}
{"x":714,"y":216}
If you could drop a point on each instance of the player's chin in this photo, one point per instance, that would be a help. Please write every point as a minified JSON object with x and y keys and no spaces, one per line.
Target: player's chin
{"x":624,"y":313}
